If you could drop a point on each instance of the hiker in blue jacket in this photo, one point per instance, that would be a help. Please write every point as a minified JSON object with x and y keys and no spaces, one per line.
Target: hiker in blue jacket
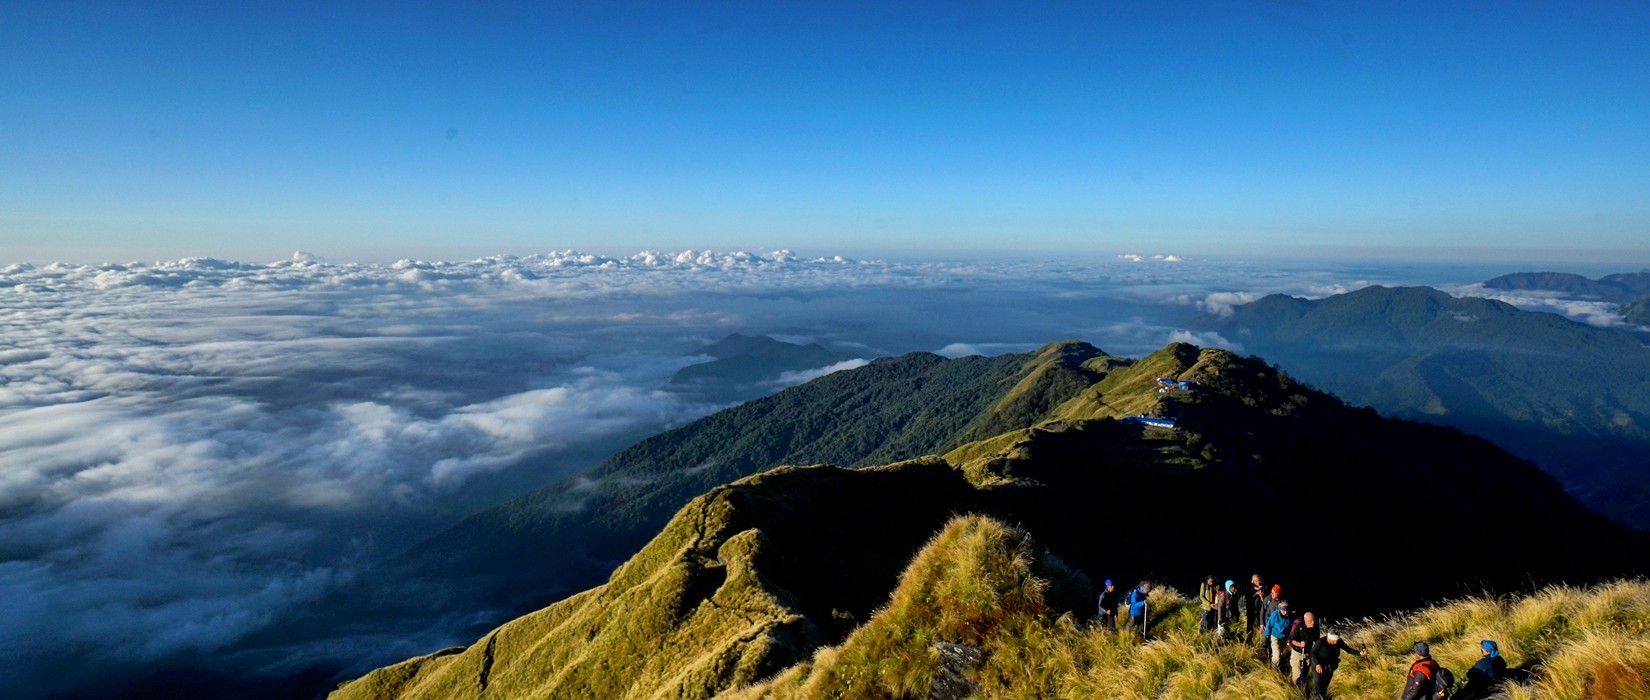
{"x":1485,"y":675}
{"x":1137,"y":606}
{"x":1277,"y":630}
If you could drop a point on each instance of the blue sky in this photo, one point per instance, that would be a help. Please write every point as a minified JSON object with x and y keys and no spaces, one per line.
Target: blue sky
{"x":375,"y":131}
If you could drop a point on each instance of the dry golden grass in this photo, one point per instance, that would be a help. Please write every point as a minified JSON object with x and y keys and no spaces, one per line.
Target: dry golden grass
{"x":986,"y":586}
{"x":1575,"y":643}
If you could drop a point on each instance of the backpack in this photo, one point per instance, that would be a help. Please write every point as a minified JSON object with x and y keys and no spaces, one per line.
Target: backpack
{"x":1443,"y":684}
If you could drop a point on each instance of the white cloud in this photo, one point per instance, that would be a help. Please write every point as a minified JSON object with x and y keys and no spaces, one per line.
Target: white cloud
{"x":183,"y":444}
{"x":1592,"y":312}
{"x":956,"y":350}
{"x":1209,"y":339}
{"x":807,"y":375}
{"x":1221,"y":303}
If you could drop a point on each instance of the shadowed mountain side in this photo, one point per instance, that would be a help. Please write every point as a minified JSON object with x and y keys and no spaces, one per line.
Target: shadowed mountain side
{"x":569,"y":535}
{"x":1574,"y":398}
{"x":1357,"y":513}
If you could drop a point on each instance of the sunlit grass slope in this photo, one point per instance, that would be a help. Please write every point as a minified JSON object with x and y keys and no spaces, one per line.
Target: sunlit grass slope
{"x":979,"y":584}
{"x":742,"y":582}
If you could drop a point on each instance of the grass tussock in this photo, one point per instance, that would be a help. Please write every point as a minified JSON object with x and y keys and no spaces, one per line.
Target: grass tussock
{"x":975,"y":584}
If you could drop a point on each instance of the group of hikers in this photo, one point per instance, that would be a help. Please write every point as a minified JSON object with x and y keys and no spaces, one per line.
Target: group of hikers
{"x":1297,"y":645}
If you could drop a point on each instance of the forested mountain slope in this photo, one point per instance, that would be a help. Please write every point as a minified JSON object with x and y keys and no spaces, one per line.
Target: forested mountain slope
{"x":1571,"y":397}
{"x":569,"y":535}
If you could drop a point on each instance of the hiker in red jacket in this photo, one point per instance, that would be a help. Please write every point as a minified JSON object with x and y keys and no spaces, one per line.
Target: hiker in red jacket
{"x":1423,"y":675}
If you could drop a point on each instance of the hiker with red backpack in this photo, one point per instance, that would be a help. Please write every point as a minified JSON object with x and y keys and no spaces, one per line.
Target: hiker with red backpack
{"x":1427,"y":679}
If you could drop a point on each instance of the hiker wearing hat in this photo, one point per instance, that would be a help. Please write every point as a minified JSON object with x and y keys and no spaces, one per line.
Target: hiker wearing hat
{"x":1223,"y":600}
{"x":1302,"y":635}
{"x":1490,"y":670}
{"x":1326,"y":657}
{"x":1424,"y":675}
{"x":1109,"y":599}
{"x":1230,"y":602}
{"x":1269,"y":605}
{"x":1206,"y":595}
{"x":1277,"y":629}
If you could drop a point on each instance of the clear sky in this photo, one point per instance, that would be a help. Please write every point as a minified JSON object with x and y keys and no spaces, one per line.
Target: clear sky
{"x":378,"y":130}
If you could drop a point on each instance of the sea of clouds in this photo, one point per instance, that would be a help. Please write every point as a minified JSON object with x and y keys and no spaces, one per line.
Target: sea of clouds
{"x":192,"y":452}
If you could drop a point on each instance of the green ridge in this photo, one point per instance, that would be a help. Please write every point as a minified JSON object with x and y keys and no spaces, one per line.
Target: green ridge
{"x":759,"y":576}
{"x":569,"y":535}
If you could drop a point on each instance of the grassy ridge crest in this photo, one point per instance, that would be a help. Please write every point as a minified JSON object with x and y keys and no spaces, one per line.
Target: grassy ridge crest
{"x":1567,"y":643}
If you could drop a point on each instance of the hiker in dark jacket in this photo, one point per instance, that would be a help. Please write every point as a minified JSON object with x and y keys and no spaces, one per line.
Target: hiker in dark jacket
{"x":1254,"y":606}
{"x":1302,"y":635}
{"x":1423,"y":674}
{"x":1109,"y":599}
{"x":1326,"y":657}
{"x":1206,"y":596}
{"x":1490,"y":670}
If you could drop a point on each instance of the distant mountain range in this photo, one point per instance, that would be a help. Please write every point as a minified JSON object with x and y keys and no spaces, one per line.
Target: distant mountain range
{"x":746,"y":367}
{"x":1241,"y":469}
{"x":1572,"y":397}
{"x":1617,"y":289}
